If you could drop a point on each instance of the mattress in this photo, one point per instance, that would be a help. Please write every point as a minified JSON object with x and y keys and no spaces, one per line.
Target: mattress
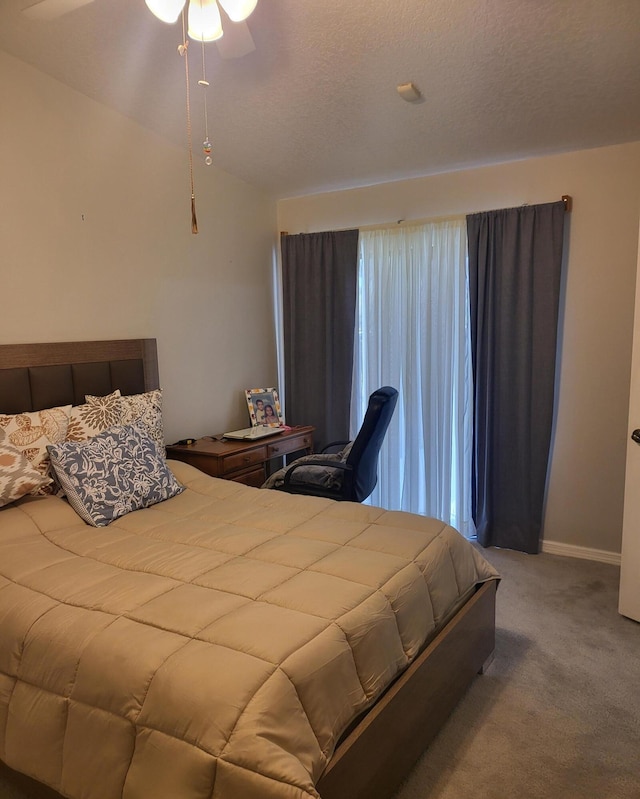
{"x":213,"y":646}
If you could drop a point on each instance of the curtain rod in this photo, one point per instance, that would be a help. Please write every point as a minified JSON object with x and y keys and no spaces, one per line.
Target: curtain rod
{"x":567,"y":199}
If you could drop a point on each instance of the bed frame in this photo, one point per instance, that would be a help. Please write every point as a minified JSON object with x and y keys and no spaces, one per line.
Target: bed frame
{"x":381,"y":748}
{"x":38,"y":376}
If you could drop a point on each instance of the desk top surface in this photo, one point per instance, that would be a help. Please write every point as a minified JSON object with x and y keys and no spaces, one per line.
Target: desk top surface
{"x":218,"y":445}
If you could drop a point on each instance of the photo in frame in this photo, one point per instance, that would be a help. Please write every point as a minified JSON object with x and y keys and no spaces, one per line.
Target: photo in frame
{"x":264,"y":407}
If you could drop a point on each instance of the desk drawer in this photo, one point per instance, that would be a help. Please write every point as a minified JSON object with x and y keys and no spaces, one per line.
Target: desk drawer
{"x":242,"y":460}
{"x":254,"y":477}
{"x":303,"y":441}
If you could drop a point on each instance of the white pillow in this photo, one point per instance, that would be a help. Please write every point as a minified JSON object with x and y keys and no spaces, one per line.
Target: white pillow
{"x":145,"y":408}
{"x":96,"y":415}
{"x":142,"y":408}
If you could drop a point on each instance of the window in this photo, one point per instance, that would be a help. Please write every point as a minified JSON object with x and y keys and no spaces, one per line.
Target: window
{"x":412,"y":333}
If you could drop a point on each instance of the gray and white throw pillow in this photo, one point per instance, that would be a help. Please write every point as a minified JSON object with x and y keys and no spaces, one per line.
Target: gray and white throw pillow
{"x":113,"y":473}
{"x":321,"y":476}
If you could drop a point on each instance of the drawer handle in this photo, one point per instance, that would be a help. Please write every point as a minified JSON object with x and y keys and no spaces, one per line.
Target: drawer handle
{"x":276,"y":449}
{"x":246,"y":459}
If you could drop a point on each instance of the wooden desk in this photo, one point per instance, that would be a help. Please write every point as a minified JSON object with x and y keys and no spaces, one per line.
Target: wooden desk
{"x":243,"y":461}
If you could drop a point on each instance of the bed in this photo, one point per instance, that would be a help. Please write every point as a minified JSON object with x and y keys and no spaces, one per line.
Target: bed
{"x":226,"y":642}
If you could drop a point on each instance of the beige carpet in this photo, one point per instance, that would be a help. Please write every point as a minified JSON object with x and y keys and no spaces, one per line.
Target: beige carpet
{"x":557,"y":716}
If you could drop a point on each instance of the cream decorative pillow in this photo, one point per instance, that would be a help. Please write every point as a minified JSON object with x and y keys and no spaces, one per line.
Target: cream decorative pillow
{"x":31,"y":433}
{"x":146,"y":409}
{"x":17,"y":476}
{"x":95,"y":416}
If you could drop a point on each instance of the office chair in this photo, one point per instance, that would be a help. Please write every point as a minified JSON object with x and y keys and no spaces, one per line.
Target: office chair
{"x":351,"y":474}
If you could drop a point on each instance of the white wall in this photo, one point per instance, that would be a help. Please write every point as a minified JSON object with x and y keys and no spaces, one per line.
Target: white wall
{"x":132,"y":268}
{"x":586,"y":478}
{"x":96,"y":244}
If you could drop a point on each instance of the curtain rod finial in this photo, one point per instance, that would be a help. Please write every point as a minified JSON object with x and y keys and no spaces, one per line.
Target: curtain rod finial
{"x":567,"y":199}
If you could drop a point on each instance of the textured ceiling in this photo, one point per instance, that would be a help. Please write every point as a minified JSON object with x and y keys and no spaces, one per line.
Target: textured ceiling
{"x":315,"y":106}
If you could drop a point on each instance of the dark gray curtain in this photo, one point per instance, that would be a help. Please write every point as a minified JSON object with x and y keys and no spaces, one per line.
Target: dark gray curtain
{"x":515,"y":258}
{"x":319,"y":275}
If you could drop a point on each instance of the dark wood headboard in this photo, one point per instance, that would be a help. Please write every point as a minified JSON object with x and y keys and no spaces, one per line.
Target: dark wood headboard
{"x":38,"y":376}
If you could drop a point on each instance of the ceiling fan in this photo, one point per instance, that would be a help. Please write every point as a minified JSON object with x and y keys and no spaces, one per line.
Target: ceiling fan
{"x":235,"y":43}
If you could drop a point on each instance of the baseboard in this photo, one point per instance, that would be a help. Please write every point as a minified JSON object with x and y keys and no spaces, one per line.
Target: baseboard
{"x":585,"y":553}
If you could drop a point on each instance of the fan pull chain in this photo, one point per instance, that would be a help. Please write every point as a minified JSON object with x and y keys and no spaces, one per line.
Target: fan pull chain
{"x":206,"y":144}
{"x":183,"y":49}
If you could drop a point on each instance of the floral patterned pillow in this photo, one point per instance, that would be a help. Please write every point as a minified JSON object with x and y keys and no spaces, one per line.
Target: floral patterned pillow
{"x":147,"y":409}
{"x":141,"y":408}
{"x":17,"y":476}
{"x":113,"y":473}
{"x":96,"y":415}
{"x":32,"y":433}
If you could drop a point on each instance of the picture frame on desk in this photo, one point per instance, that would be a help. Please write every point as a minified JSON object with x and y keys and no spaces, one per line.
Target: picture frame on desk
{"x":264,"y":407}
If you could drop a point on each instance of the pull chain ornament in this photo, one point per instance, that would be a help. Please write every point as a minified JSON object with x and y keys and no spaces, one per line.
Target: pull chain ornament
{"x":183,"y":50}
{"x":206,"y":147}
{"x":206,"y":144}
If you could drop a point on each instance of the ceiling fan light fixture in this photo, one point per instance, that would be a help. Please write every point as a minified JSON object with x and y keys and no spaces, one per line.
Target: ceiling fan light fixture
{"x":238,"y":10}
{"x":166,"y":10}
{"x":205,"y":24}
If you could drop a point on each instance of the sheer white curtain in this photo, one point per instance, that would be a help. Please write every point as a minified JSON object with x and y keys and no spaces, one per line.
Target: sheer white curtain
{"x":412,"y":333}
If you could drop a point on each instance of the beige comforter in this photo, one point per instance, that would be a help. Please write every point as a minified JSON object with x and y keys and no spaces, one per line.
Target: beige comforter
{"x":213,"y":646}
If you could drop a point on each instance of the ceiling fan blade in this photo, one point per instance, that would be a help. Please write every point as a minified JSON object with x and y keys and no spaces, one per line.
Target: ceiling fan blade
{"x":50,"y":9}
{"x":237,"y":40}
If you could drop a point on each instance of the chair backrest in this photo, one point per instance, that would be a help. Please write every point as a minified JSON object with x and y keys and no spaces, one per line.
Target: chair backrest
{"x":363,"y":457}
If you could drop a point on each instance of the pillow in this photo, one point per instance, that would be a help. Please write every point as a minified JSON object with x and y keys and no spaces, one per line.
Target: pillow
{"x":17,"y":476}
{"x":95,"y":416}
{"x":31,"y":433}
{"x":113,"y":473}
{"x":321,"y":476}
{"x":145,"y":408}
{"x":344,"y":454}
